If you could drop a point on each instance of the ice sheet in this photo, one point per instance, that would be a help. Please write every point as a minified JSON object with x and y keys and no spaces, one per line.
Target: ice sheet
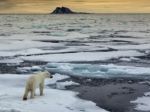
{"x":53,"y":100}
{"x":83,"y":56}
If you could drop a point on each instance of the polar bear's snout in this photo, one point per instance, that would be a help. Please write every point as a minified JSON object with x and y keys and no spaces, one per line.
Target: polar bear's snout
{"x":51,"y":76}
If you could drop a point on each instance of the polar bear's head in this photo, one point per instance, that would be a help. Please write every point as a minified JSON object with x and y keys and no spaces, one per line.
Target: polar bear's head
{"x":47,"y":74}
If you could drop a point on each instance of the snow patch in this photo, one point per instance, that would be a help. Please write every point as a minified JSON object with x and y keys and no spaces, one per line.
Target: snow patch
{"x":62,"y":85}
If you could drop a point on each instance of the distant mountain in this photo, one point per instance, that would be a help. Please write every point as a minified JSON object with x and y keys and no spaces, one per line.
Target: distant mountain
{"x":65,"y":10}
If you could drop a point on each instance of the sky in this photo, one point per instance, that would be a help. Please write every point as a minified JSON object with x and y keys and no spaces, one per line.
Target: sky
{"x":93,"y":6}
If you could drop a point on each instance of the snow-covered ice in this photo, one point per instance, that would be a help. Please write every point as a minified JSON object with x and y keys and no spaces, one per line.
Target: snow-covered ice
{"x":54,"y":100}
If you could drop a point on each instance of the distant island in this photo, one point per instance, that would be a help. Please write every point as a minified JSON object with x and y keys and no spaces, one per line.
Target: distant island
{"x":65,"y":10}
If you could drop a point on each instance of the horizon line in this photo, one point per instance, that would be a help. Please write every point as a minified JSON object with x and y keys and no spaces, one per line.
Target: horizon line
{"x":84,"y":13}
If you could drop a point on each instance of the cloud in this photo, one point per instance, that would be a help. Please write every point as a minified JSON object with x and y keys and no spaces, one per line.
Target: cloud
{"x":4,"y":4}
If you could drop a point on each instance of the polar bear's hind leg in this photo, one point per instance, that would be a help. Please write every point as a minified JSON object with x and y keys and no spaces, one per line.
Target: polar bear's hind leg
{"x":26,"y":94}
{"x":32,"y":93}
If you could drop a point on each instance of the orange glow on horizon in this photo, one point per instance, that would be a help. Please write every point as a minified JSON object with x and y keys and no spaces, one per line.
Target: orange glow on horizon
{"x":95,"y":6}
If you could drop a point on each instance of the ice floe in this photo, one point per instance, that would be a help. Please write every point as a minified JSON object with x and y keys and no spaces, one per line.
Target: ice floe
{"x":143,"y":103}
{"x":83,"y":56}
{"x":90,"y":70}
{"x":96,"y":70}
{"x":62,"y":85}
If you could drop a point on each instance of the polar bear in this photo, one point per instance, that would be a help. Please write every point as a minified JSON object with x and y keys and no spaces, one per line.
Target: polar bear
{"x":34,"y":81}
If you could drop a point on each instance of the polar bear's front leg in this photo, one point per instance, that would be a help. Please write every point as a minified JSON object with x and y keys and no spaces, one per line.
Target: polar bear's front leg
{"x":41,"y":88}
{"x":33,"y":90}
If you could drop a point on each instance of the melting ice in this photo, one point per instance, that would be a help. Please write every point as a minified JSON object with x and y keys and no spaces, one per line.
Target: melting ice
{"x":90,"y":70}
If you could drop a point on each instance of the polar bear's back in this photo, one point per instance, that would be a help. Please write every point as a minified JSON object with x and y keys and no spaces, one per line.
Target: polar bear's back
{"x":35,"y":80}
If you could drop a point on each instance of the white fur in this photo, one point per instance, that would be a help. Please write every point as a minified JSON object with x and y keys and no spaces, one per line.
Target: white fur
{"x":35,"y":81}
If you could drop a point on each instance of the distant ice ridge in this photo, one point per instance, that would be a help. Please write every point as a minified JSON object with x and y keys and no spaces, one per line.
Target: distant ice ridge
{"x":95,"y":70}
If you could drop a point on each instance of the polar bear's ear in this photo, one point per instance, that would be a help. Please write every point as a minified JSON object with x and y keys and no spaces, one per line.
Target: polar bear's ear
{"x":48,"y":74}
